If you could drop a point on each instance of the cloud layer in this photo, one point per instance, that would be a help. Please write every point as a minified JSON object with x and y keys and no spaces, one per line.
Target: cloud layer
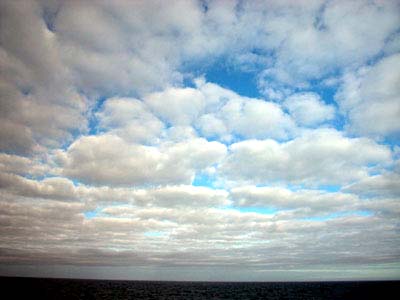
{"x":251,"y":136}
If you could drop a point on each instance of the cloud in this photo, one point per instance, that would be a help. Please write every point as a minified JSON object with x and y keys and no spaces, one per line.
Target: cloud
{"x":308,"y":109}
{"x":177,"y":106}
{"x":140,"y":55}
{"x":323,"y":37}
{"x":229,"y":114}
{"x":381,"y":185}
{"x":34,"y":84}
{"x":124,"y":39}
{"x":130,"y":119}
{"x":107,"y":159}
{"x":318,"y":157}
{"x":317,"y":202}
{"x":192,"y":237}
{"x":372,"y":93}
{"x":49,"y":188}
{"x":15,"y":164}
{"x":110,"y":122}
{"x":189,"y":196}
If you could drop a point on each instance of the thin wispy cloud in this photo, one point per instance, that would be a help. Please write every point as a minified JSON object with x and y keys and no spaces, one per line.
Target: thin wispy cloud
{"x":212,"y":140}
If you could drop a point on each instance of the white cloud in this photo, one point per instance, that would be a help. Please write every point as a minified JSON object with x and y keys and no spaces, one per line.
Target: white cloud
{"x":130,"y":119}
{"x":127,"y":46}
{"x":283,"y":198}
{"x":308,"y":109}
{"x":108,"y":159}
{"x":318,"y":157}
{"x":146,"y":46}
{"x":219,"y":112}
{"x":211,"y":126}
{"x":125,"y":196}
{"x":253,"y":118}
{"x":316,"y":39}
{"x":370,"y":98}
{"x":177,"y":106}
{"x":184,"y":195}
{"x":230,"y":114}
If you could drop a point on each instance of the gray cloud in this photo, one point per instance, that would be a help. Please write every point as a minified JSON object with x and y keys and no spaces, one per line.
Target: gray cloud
{"x":192,"y":237}
{"x":39,"y":105}
{"x":382,"y":185}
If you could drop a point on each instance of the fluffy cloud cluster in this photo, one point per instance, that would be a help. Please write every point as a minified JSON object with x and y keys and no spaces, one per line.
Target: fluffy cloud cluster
{"x":370,"y":98}
{"x":308,"y":109}
{"x":319,"y":157}
{"x":117,"y":149}
{"x":108,"y":159}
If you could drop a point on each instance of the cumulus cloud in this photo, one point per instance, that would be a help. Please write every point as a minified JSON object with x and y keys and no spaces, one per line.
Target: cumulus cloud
{"x":49,"y":188}
{"x":322,"y":37}
{"x":123,"y":39}
{"x":227,"y":114}
{"x":318,"y":157}
{"x":177,"y":106}
{"x":381,"y":185}
{"x":182,"y":196}
{"x":317,"y":202}
{"x":35,"y":86}
{"x":22,"y":165}
{"x":130,"y":119}
{"x":117,"y":149}
{"x":372,"y":93}
{"x":308,"y":109}
{"x":108,"y":159}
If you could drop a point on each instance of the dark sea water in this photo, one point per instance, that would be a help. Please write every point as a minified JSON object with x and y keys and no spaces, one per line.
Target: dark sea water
{"x":41,"y":288}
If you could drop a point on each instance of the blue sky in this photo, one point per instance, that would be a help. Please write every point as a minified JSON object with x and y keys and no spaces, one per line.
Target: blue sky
{"x":160,"y":139}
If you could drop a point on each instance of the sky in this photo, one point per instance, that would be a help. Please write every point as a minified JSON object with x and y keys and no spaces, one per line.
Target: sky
{"x":200,"y":140}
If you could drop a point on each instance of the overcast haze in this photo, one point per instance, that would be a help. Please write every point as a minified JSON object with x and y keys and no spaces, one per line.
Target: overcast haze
{"x":200,"y":140}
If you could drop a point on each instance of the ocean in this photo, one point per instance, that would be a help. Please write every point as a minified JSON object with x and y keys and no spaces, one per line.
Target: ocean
{"x":45,"y":288}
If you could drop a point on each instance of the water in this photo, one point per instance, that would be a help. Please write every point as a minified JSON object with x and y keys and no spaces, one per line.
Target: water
{"x":41,"y":288}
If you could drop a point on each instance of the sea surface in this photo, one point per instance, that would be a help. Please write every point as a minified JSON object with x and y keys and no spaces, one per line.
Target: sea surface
{"x":44,"y":288}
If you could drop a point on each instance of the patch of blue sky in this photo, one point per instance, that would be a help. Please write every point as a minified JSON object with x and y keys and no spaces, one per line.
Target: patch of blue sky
{"x":227,"y":76}
{"x":75,"y":182}
{"x":327,"y":92}
{"x":392,"y":140}
{"x":330,"y":188}
{"x":241,"y":83}
{"x":321,"y":188}
{"x":90,"y":214}
{"x":154,"y":234}
{"x":300,"y":187}
{"x":374,"y":169}
{"x":332,"y":216}
{"x":93,"y":121}
{"x":256,"y":209}
{"x":204,"y":180}
{"x":38,"y":177}
{"x":265,"y":210}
